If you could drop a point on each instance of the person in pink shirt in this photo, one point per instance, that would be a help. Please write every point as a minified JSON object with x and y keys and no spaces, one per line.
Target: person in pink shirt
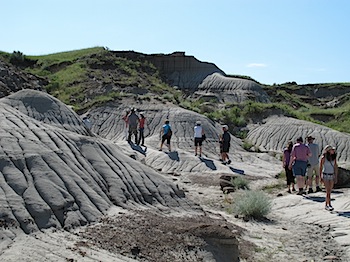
{"x":298,"y":163}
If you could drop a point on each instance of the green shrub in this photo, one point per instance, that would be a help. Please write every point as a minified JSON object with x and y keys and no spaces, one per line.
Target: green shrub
{"x":252,"y":204}
{"x":240,"y":183}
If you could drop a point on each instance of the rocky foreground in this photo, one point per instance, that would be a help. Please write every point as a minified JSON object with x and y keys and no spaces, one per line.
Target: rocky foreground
{"x":68,"y":194}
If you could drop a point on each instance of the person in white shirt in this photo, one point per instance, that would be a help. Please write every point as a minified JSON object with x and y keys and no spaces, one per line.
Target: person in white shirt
{"x":198,"y":138}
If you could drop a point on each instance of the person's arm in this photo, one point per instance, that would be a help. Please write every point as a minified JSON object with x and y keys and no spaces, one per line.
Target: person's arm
{"x":321,"y":167}
{"x":292,"y":158}
{"x":335,"y":171}
{"x":284,"y":159}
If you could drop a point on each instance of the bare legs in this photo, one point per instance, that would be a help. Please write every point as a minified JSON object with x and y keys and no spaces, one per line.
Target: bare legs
{"x":329,"y":186}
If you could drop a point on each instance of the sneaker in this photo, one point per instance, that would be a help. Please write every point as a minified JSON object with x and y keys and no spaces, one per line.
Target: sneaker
{"x":229,"y":161}
{"x":290,"y":192}
{"x":318,"y":189}
{"x":329,"y":208}
{"x":310,"y":191}
{"x":294,"y":190}
{"x":301,"y":192}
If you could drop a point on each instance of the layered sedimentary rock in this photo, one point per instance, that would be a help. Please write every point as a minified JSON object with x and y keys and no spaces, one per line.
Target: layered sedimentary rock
{"x":53,"y":174}
{"x":231,"y":90}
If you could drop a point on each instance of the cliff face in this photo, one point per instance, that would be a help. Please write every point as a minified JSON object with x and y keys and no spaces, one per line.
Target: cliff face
{"x":185,"y":72}
{"x":201,"y":79}
{"x":177,"y":69}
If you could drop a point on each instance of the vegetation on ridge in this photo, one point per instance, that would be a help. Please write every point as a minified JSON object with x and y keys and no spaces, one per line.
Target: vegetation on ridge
{"x":94,"y":76}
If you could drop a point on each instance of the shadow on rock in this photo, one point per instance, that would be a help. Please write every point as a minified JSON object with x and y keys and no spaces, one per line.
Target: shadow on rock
{"x":315,"y":198}
{"x":343,"y":214}
{"x":238,"y":171}
{"x":138,"y":148}
{"x":209,"y":163}
{"x":174,"y":155}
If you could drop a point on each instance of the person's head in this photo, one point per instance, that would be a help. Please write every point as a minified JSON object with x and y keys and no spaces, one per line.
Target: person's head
{"x":166,"y":122}
{"x":225,"y":127}
{"x":132,"y":110}
{"x":198,"y":123}
{"x":329,"y":149}
{"x":142,"y":115}
{"x":330,"y":152}
{"x":290,"y":145}
{"x":310,"y":139}
{"x":300,"y":140}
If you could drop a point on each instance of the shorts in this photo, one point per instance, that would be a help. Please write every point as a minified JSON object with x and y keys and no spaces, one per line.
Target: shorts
{"x":225,"y":147}
{"x":328,"y":177}
{"x":299,"y":168}
{"x":167,"y":138}
{"x":198,"y":141}
{"x":311,"y":169}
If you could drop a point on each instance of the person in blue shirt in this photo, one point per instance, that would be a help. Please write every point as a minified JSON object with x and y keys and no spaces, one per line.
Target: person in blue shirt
{"x":166,"y":134}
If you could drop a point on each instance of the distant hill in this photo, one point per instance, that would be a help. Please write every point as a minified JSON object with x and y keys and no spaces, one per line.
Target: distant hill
{"x":91,"y":77}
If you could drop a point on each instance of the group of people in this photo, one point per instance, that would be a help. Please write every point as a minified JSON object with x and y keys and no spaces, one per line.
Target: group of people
{"x":303,"y":161}
{"x":133,"y":124}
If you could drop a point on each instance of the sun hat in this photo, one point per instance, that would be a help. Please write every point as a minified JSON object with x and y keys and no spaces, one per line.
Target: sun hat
{"x":225,"y":126}
{"x":198,"y":123}
{"x":327,"y":148}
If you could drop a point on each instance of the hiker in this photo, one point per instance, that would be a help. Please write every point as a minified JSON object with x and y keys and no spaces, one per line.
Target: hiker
{"x":224,"y":141}
{"x":166,"y":134}
{"x":126,"y":125}
{"x":313,"y":165}
{"x":289,"y":173}
{"x":329,"y":172}
{"x":142,"y":129}
{"x":198,"y":138}
{"x":298,"y":163}
{"x":133,"y":121}
{"x":87,"y":122}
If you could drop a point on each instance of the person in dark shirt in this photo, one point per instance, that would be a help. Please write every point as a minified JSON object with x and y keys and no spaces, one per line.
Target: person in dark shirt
{"x":225,"y":140}
{"x":133,"y":121}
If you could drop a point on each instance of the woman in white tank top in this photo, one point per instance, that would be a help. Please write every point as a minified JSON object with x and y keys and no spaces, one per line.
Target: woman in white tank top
{"x":329,"y":172}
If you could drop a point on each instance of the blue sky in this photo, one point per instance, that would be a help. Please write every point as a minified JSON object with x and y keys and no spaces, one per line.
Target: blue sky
{"x":272,"y":41}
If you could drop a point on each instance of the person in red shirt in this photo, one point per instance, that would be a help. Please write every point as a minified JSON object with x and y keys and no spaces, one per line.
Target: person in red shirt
{"x":142,"y":129}
{"x":298,"y":163}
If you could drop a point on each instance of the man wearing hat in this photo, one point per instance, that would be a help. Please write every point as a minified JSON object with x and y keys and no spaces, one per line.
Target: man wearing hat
{"x":298,"y":162}
{"x":313,"y":165}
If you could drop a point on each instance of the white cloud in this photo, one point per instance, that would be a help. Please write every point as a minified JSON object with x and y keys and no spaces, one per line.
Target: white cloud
{"x":256,"y":65}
